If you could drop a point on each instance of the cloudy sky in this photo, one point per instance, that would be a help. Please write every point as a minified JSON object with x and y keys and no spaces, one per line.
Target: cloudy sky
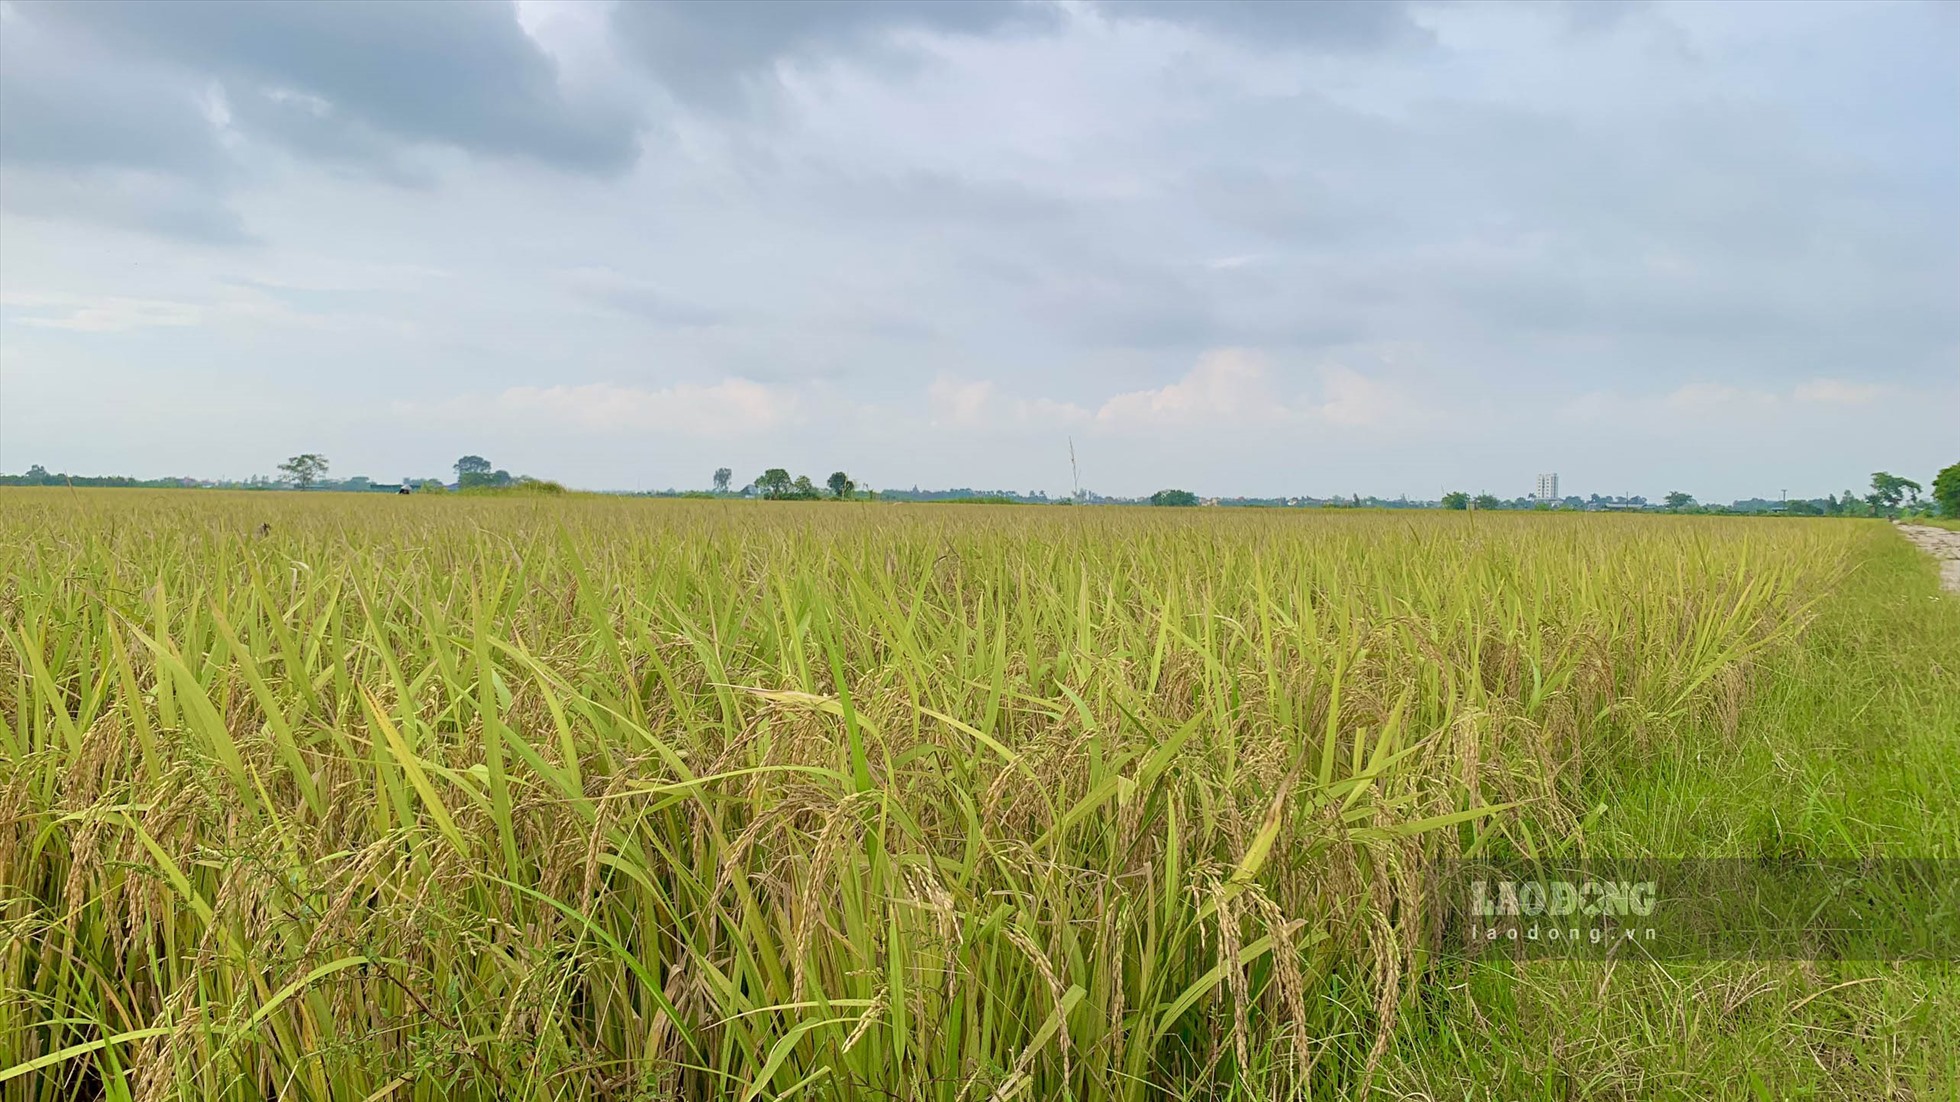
{"x":1325,"y":248}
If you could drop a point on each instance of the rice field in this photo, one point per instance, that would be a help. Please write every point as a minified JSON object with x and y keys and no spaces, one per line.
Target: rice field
{"x":340,"y":797}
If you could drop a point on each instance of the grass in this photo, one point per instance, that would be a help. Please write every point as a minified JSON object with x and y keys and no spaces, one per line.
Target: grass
{"x":437,"y":797}
{"x":1849,"y":746}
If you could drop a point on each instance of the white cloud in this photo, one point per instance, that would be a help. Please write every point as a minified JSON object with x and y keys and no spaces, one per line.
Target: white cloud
{"x":103,"y":315}
{"x":1356,"y":400}
{"x":954,"y":402}
{"x":1226,"y":388}
{"x":1714,"y":398}
{"x":229,"y":306}
{"x":732,"y":407}
{"x":1717,"y":398}
{"x":1227,"y":263}
{"x":1837,"y":392}
{"x":1228,"y":384}
{"x":1708,"y":398}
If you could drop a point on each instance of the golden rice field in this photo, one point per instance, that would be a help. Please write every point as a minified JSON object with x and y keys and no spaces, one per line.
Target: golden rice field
{"x":339,"y":797}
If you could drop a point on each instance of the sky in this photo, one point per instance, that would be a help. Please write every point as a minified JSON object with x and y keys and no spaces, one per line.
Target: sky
{"x":1353,"y":246}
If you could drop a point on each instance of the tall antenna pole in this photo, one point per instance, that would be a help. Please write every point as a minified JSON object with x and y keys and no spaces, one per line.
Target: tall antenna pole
{"x":1074,"y":471}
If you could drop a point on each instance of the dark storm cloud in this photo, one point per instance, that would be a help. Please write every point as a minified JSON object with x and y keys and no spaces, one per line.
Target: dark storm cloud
{"x":711,"y":54}
{"x":458,"y":74}
{"x":1326,"y":24}
{"x":66,"y":104}
{"x":150,"y":202}
{"x":703,"y":52}
{"x":88,"y":136}
{"x":315,"y":129}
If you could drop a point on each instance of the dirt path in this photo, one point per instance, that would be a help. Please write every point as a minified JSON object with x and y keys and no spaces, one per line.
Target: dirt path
{"x":1942,"y":545}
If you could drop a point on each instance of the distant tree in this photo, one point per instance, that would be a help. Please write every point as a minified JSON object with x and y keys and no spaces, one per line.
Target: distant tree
{"x":1487,"y":501}
{"x":1946,"y":491}
{"x":722,"y":477}
{"x":1888,"y":490}
{"x":774,"y":483}
{"x":804,"y":489}
{"x":473,"y":472}
{"x":841,"y":484}
{"x":1173,"y":497}
{"x":1678,"y":500}
{"x":304,"y":470}
{"x":38,"y":475}
{"x":1456,"y":499}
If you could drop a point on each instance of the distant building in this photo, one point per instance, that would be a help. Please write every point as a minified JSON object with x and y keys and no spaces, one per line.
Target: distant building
{"x":1547,"y":492}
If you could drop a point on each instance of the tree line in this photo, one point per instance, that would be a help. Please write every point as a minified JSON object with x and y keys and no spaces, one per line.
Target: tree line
{"x":1890,"y":495}
{"x":777,"y":484}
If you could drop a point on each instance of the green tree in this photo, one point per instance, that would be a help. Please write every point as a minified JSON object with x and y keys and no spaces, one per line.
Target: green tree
{"x":841,"y":485}
{"x":1678,"y":500}
{"x":1889,"y":490}
{"x":1173,"y":497}
{"x":1456,"y":499}
{"x":804,"y":489}
{"x":473,"y":472}
{"x":722,"y":477}
{"x":1946,"y":490}
{"x":304,"y":470}
{"x":774,"y":483}
{"x":1486,"y":501}
{"x":484,"y":480}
